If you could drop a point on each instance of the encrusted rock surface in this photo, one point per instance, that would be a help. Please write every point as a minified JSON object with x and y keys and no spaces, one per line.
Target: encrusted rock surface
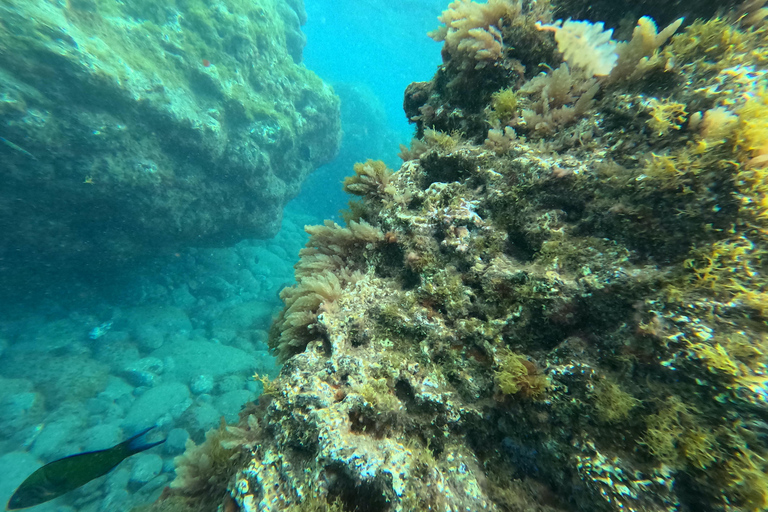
{"x":555,"y":303}
{"x":132,"y":126}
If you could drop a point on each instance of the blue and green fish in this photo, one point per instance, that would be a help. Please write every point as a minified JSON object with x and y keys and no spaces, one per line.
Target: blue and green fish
{"x":64,"y":475}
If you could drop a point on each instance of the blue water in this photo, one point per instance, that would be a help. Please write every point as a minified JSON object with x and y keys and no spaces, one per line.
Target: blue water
{"x":370,"y":49}
{"x":174,"y":341}
{"x":373,"y":44}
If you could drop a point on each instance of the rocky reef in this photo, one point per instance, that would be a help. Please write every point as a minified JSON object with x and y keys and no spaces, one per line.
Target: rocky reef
{"x":128,"y":127}
{"x":558,"y":302}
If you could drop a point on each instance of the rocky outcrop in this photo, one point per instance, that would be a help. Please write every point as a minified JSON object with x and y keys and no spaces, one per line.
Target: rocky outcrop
{"x":128,"y":127}
{"x":555,"y":303}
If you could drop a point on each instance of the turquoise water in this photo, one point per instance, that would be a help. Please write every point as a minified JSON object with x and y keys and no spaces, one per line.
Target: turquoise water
{"x":370,"y":53}
{"x":557,"y":302}
{"x":89,"y":356}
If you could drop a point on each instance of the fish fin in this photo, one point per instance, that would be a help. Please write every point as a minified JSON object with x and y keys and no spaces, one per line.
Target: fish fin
{"x":135,"y":444}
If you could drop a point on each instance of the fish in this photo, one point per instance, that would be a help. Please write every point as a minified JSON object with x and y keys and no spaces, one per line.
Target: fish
{"x":64,"y":475}
{"x":17,"y":148}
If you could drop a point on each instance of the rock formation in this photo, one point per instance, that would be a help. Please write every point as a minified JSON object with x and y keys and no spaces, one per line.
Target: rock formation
{"x":130,"y":127}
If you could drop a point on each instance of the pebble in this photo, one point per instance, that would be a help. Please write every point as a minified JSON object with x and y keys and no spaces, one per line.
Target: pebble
{"x":176,"y":441}
{"x":172,"y":398}
{"x":202,"y":384}
{"x":149,"y":338}
{"x":54,"y":436}
{"x":146,"y":466}
{"x":231,"y":383}
{"x":100,"y":437}
{"x":229,"y":404}
{"x":201,"y":418}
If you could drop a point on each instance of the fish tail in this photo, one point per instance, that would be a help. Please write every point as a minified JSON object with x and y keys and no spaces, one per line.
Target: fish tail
{"x":136,"y":444}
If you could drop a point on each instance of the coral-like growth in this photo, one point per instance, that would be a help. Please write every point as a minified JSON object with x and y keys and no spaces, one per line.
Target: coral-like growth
{"x":641,"y":53}
{"x":666,"y":115}
{"x":417,"y":148}
{"x":716,"y":45}
{"x":442,"y":140}
{"x":503,"y":105}
{"x":558,"y":98}
{"x":203,"y":472}
{"x":748,"y":478}
{"x":752,"y":130}
{"x":472,"y":31}
{"x":716,"y":125}
{"x":585,"y":45}
{"x":304,"y":301}
{"x":518,"y":375}
{"x":613,"y":403}
{"x":675,"y":436}
{"x":501,"y":141}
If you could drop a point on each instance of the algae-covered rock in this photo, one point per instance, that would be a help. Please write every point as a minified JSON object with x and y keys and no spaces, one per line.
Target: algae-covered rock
{"x":132,"y":126}
{"x":558,"y":302}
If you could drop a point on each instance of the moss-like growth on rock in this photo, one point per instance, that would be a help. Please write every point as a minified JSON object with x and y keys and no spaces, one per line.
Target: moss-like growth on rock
{"x":116,"y":114}
{"x":581,"y":312}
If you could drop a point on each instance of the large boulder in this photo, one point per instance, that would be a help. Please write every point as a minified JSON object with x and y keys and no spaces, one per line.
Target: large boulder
{"x":131,"y":126}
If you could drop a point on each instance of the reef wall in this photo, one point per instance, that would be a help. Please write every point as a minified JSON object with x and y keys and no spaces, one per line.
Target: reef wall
{"x":128,"y":127}
{"x":557,"y":303}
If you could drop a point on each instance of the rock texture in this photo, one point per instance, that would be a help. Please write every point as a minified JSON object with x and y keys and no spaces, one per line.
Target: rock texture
{"x":557,"y":303}
{"x":129,"y":127}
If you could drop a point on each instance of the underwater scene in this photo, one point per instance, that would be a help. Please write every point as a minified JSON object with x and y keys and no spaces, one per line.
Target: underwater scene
{"x":384,"y":255}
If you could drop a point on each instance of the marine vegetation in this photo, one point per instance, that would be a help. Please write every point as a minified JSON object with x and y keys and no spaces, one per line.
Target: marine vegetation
{"x":557,"y":302}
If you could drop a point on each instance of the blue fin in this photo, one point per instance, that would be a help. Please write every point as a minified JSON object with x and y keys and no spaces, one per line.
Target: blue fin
{"x":135,"y":444}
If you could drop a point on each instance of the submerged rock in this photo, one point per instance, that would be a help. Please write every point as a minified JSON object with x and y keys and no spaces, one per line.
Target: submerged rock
{"x":558,"y":302}
{"x":101,"y":437}
{"x":128,"y":127}
{"x":196,"y":357}
{"x":175,"y":441}
{"x":202,"y":384}
{"x":146,"y":466}
{"x":155,"y":405}
{"x":230,"y":403}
